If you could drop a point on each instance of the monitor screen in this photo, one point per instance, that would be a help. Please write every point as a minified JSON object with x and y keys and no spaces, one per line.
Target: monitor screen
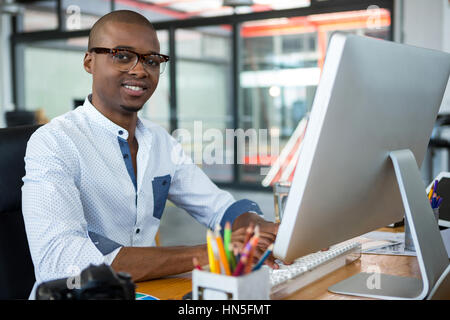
{"x":374,"y":97}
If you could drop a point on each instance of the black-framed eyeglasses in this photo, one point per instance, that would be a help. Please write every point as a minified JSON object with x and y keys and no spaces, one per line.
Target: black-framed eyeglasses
{"x":125,"y":59}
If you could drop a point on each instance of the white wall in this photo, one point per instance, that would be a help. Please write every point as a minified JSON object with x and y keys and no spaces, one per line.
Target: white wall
{"x":446,"y":26}
{"x":423,"y":23}
{"x":426,"y":23}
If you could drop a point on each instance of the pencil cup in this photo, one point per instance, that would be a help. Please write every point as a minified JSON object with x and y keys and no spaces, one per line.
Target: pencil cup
{"x":213,"y":286}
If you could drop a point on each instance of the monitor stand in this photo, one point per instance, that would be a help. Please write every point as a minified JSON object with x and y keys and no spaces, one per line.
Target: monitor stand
{"x":431,"y":254}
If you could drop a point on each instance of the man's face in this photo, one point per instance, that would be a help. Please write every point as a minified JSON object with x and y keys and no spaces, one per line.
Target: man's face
{"x":110,"y":84}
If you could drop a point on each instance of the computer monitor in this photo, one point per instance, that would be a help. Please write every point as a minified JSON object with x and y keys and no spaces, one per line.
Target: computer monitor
{"x":370,"y":124}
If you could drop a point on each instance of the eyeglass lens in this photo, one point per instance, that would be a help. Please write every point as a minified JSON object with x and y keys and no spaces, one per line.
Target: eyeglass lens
{"x":126,"y":60}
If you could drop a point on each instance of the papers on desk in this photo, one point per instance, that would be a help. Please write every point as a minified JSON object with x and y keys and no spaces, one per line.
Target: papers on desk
{"x":391,"y":243}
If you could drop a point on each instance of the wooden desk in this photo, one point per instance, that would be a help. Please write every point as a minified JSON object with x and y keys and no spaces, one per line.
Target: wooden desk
{"x":176,"y":287}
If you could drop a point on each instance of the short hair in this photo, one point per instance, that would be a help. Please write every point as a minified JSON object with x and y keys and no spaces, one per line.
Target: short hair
{"x":124,"y":16}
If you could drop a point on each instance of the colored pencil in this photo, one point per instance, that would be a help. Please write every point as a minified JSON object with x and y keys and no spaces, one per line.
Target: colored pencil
{"x":248,"y":266}
{"x":240,"y":267}
{"x":213,"y":263}
{"x":249,"y":233}
{"x":196,"y":263}
{"x":263,"y":258}
{"x":222,"y":254}
{"x":227,"y":242}
{"x":232,"y":259}
{"x":237,"y":255}
{"x":243,"y":255}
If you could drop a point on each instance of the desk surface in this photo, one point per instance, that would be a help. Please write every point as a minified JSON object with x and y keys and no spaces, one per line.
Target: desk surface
{"x":177,"y":286}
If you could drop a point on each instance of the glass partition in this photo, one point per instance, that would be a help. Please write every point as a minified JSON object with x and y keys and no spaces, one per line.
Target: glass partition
{"x":204,"y":109}
{"x":281,"y":63}
{"x":157,"y":108}
{"x":55,"y":79}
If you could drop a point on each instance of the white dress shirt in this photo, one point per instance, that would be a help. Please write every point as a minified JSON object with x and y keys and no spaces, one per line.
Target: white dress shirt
{"x":82,"y":202}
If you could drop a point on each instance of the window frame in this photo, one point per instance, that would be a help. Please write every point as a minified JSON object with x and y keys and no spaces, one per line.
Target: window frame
{"x":18,"y":39}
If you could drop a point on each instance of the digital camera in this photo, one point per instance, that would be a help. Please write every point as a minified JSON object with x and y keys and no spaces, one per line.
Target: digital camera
{"x":94,"y":283}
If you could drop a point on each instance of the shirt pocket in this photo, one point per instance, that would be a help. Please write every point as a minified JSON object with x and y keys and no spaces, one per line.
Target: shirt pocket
{"x":161,"y":187}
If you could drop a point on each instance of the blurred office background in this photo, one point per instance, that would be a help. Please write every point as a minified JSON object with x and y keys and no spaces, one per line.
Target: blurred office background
{"x":249,"y":64}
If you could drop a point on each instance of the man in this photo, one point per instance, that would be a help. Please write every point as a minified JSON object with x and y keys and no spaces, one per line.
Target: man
{"x":97,"y":178}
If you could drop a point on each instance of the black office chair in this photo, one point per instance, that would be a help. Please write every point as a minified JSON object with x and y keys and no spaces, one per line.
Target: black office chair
{"x":16,"y":267}
{"x":20,"y":118}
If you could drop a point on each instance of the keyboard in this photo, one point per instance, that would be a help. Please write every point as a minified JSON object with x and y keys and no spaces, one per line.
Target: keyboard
{"x":307,"y":269}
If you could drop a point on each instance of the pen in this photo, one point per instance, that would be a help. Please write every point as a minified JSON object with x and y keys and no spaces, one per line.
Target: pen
{"x":439,"y":202}
{"x":263,"y":258}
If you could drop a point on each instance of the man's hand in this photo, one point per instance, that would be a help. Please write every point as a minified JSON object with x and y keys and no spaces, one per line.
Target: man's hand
{"x":267,"y":234}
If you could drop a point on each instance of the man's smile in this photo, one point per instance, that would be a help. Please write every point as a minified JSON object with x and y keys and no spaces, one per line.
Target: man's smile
{"x":134,"y":88}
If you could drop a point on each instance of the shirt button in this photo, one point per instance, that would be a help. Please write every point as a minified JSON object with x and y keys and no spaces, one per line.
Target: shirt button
{"x":120,"y":132}
{"x":138,"y":230}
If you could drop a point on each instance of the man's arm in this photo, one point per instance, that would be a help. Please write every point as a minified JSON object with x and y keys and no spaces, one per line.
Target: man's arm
{"x":146,"y":263}
{"x":193,"y":191}
{"x":53,"y":213}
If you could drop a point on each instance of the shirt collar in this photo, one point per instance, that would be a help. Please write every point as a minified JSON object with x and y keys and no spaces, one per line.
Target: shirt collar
{"x":97,"y":117}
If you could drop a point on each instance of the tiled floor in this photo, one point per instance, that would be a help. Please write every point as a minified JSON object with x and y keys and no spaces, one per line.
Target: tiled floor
{"x":179,"y":228}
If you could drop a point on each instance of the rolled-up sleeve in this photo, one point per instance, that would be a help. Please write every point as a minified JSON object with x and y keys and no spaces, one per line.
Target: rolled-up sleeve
{"x":192,"y":190}
{"x":53,"y":213}
{"x":237,"y":208}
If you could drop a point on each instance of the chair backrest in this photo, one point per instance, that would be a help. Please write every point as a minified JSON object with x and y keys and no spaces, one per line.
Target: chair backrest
{"x":20,"y":118}
{"x":16,"y":267}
